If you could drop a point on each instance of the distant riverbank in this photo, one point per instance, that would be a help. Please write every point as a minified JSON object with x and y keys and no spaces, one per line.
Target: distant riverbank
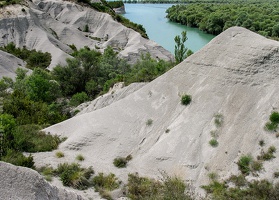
{"x":161,"y":30}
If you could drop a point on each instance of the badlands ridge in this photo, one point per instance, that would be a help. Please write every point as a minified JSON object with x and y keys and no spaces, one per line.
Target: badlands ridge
{"x":235,"y":76}
{"x":50,"y":26}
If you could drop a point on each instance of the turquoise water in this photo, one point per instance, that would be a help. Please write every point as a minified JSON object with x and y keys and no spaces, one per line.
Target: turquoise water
{"x":161,"y":30}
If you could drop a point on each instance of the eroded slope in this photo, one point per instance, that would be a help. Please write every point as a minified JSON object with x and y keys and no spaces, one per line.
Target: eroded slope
{"x":52,"y":25}
{"x":234,"y":76}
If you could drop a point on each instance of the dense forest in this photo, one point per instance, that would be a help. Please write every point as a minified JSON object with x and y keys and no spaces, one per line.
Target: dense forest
{"x":214,"y":18}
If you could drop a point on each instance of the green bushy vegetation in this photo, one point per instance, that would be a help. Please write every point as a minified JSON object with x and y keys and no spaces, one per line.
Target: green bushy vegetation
{"x":149,"y":122}
{"x":243,"y":189}
{"x":186,"y":99}
{"x":93,"y":73}
{"x":27,"y":110}
{"x":272,"y":125}
{"x":247,"y":164}
{"x":59,"y":154}
{"x":70,"y":174}
{"x":258,"y":16}
{"x":126,"y":22}
{"x":105,"y":183}
{"x":115,"y":4}
{"x":73,"y":175}
{"x":120,"y":162}
{"x":213,"y":142}
{"x":268,"y":155}
{"x":244,"y":164}
{"x":180,"y":50}
{"x":80,"y":157}
{"x":17,"y":158}
{"x":33,"y":58}
{"x":78,"y":98}
{"x":9,"y":2}
{"x":30,"y":138}
{"x":47,"y":171}
{"x":143,"y":188}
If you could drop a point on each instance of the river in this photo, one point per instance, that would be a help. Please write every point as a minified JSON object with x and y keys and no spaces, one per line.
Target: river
{"x":161,"y":30}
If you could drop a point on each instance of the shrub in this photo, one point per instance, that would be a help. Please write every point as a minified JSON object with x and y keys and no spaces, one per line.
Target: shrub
{"x":272,"y":125}
{"x":256,"y":166}
{"x":74,"y":176}
{"x":186,"y":99}
{"x":141,"y":188}
{"x":218,"y":120}
{"x":261,"y":143}
{"x":239,"y":180}
{"x":29,"y":138}
{"x":213,"y":143}
{"x":73,"y":47}
{"x":213,"y":176}
{"x":137,"y":27}
{"x":17,"y":158}
{"x":244,"y":164}
{"x":105,"y":182}
{"x":47,"y":172}
{"x":272,"y":149}
{"x":78,"y":98}
{"x":149,"y":122}
{"x":174,"y":188}
{"x":267,"y":155}
{"x":80,"y":157}
{"x":120,"y":162}
{"x":38,"y":59}
{"x":86,"y":28}
{"x":262,"y":189}
{"x":59,"y":154}
{"x":274,"y":117}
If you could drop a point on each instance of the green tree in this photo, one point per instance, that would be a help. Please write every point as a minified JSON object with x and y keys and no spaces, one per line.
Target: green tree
{"x":78,"y":71}
{"x":180,"y":51}
{"x":38,"y":59}
{"x":41,"y":87}
{"x":7,"y":125}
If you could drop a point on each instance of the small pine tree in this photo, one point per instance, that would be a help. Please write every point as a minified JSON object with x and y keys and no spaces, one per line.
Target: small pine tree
{"x":180,"y":51}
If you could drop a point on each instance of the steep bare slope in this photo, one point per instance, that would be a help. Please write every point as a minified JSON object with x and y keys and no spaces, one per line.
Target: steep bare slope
{"x":52,"y":25}
{"x":24,"y":183}
{"x":236,"y":76}
{"x":9,"y":64}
